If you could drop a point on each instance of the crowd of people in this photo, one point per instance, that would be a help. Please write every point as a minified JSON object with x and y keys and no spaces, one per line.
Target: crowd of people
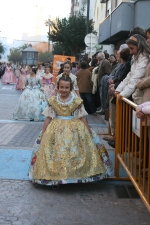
{"x":67,"y":150}
{"x":125,"y":74}
{"x":132,"y":72}
{"x":37,"y":86}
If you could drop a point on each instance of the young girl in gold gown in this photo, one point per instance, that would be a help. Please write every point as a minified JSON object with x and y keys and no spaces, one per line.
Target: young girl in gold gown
{"x":68,"y":151}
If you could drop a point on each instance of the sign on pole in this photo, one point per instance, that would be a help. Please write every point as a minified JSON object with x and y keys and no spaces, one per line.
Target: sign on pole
{"x":91,"y":40}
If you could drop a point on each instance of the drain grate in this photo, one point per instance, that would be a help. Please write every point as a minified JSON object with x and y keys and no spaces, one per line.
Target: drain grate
{"x":133,"y":192}
{"x":121,"y":191}
{"x":126,"y":191}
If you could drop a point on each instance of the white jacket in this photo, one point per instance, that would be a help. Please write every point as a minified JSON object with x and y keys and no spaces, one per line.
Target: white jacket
{"x":94,"y":80}
{"x":128,"y":85}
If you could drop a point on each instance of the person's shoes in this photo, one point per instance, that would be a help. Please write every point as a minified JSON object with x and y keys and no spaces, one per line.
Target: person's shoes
{"x":109,"y":138}
{"x":112,"y":143}
{"x":31,"y":119}
{"x":55,"y":187}
{"x":98,"y":110}
{"x":95,"y":114}
{"x":102,"y":113}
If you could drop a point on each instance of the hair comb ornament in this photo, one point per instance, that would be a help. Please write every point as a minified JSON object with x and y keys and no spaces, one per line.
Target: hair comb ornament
{"x":133,"y":39}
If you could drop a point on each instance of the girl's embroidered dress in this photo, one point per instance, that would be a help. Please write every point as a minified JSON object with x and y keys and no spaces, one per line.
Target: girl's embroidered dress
{"x":40,"y":72}
{"x":30,"y":103}
{"x":48,"y":85}
{"x":68,"y":152}
{"x":17,"y":71}
{"x":8,"y":77}
{"x":22,"y":80}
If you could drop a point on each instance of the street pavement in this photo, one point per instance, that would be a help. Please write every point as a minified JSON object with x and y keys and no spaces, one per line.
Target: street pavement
{"x":22,"y":203}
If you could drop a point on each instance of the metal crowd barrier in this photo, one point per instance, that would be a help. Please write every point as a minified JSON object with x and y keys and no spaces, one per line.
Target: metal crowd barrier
{"x":133,"y":147}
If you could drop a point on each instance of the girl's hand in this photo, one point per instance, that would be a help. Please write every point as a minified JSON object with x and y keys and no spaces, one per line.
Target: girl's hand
{"x":116,"y":93}
{"x":112,"y":91}
{"x":53,"y":83}
{"x":139,"y":113}
{"x":55,"y":92}
{"x":110,"y":81}
{"x":111,"y":86}
{"x":119,"y":97}
{"x":138,"y":109}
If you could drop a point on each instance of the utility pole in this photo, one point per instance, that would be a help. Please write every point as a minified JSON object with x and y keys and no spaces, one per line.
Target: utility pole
{"x":48,"y":23}
{"x":87,"y":20}
{"x":49,"y":45}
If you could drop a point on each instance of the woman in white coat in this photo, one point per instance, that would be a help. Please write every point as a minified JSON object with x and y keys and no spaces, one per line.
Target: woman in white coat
{"x":141,"y":51}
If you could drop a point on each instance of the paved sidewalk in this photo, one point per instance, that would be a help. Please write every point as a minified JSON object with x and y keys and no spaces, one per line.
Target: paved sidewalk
{"x":19,"y":135}
{"x":76,"y":204}
{"x":22,"y":203}
{"x":14,"y":133}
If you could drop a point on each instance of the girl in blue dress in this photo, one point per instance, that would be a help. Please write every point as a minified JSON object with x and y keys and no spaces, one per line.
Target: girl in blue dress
{"x":30,"y":104}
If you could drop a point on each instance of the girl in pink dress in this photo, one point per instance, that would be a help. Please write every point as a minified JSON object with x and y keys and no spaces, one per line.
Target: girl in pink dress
{"x":8,"y":77}
{"x":22,"y":79}
{"x":47,"y":83}
{"x":28,"y":70}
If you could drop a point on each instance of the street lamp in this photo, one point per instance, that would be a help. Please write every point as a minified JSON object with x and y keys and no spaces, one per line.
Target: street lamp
{"x":87,"y":18}
{"x":48,"y":23}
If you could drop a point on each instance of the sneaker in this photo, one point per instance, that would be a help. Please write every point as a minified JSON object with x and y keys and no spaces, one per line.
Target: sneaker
{"x":102,"y":113}
{"x":109,"y":138}
{"x":112,"y":143}
{"x":96,"y":115}
{"x":99,"y":110}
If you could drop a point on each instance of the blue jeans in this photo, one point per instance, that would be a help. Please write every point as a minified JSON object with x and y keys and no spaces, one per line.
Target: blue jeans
{"x":88,"y":102}
{"x":103,"y":89}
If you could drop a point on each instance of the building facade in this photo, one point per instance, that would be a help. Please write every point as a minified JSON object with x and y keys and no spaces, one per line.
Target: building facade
{"x":78,"y":5}
{"x":96,"y":13}
{"x":74,"y":7}
{"x":120,"y":18}
{"x":98,"y":16}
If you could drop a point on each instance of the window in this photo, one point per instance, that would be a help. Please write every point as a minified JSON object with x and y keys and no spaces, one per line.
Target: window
{"x":108,"y":7}
{"x":30,"y":55}
{"x":118,"y":2}
{"x":24,"y":55}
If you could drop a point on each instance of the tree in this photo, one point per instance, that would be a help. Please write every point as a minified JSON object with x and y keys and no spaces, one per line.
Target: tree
{"x":59,"y":49}
{"x":2,"y":49}
{"x":70,"y":33}
{"x":22,"y":47}
{"x":15,"y":55}
{"x":43,"y":56}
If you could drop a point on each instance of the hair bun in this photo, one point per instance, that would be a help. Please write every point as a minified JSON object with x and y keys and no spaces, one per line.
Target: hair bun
{"x":65,"y":74}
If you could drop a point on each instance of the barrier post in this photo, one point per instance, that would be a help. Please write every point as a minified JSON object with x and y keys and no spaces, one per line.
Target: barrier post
{"x":117,"y":135}
{"x":133,"y":148}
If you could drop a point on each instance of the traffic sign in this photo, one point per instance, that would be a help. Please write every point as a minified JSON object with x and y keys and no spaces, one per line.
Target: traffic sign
{"x":88,"y":50}
{"x":91,"y":40}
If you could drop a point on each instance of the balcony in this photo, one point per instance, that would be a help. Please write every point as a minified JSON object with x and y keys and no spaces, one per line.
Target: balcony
{"x":117,"y":25}
{"x":102,"y":1}
{"x":124,"y":18}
